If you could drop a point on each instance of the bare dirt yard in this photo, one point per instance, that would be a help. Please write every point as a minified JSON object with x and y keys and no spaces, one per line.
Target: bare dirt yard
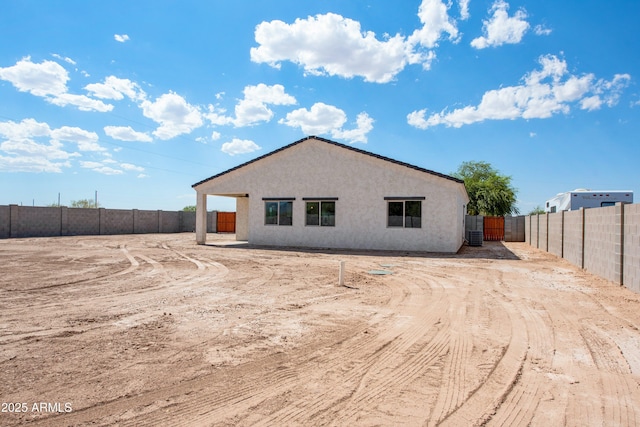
{"x":150,"y":330}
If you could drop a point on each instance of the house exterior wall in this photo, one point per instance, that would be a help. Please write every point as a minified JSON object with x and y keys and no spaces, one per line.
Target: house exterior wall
{"x":242,"y":218}
{"x":360,"y":183}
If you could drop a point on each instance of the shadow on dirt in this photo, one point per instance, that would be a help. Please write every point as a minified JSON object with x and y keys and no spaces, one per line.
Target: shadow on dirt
{"x":488,"y":250}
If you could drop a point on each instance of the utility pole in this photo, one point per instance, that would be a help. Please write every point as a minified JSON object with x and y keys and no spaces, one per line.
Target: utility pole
{"x":96,"y":205}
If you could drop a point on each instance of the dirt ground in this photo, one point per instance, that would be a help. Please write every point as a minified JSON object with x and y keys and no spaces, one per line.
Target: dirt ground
{"x":149,"y":330}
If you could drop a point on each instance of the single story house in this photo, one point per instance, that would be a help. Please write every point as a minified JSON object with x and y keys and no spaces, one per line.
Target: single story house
{"x":323,"y":194}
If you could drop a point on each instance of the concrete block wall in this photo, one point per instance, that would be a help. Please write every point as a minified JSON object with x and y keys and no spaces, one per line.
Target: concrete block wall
{"x":145,"y":222}
{"x":170,"y":222}
{"x":29,"y":221}
{"x":573,"y":238}
{"x":535,"y":225}
{"x":554,"y":242}
{"x":116,"y":221}
{"x":604,"y":241}
{"x":36,"y":221}
{"x":514,"y":228}
{"x":82,"y":222}
{"x":631,"y":247}
{"x":5,"y":222}
{"x":543,"y":232}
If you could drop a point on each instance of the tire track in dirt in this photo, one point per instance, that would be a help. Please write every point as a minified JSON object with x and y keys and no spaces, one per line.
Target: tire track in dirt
{"x":522,"y":402}
{"x":272,"y":381}
{"x":402,"y":358}
{"x":618,"y":403}
{"x":483,"y":402}
{"x":452,"y":393}
{"x":59,"y":295}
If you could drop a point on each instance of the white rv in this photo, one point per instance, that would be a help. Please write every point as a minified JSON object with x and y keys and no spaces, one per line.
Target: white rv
{"x":584,"y":198}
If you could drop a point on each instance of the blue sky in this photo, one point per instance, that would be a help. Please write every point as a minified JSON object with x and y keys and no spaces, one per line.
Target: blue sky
{"x":140,"y":100}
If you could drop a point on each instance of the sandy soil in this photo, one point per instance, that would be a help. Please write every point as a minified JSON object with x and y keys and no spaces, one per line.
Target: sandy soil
{"x":149,"y":330}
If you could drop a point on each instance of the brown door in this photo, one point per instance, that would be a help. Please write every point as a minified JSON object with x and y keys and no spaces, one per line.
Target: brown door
{"x":226,"y":222}
{"x":494,"y":228}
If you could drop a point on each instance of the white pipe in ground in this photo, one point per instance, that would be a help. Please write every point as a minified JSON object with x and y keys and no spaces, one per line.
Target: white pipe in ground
{"x":341,"y":274}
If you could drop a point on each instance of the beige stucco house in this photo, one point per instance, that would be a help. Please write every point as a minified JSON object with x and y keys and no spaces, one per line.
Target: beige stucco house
{"x":319,"y":193}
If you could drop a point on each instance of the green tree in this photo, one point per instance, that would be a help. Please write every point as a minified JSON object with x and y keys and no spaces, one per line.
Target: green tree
{"x":84,"y":203}
{"x":490,"y":193}
{"x":191,"y":208}
{"x":536,"y":211}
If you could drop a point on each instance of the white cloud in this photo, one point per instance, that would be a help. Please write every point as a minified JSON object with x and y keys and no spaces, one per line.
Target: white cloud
{"x":130,"y":167}
{"x":126,"y":133}
{"x":217,"y":116}
{"x":253,"y":108}
{"x":101,"y":168}
{"x":333,"y":45}
{"x":85,"y":140}
{"x":435,"y":21}
{"x":84,"y":103}
{"x":541,"y":30}
{"x":121,"y":37}
{"x":48,"y":79}
{"x":544,"y":92}
{"x":21,"y":152}
{"x":330,"y":44}
{"x":116,"y":88}
{"x":174,"y":114}
{"x":464,"y":9}
{"x":326,"y":119}
{"x":239,"y":146}
{"x":320,"y":119}
{"x":44,"y":79}
{"x":64,"y":58}
{"x":274,"y":95}
{"x":501,"y":28}
{"x":364,"y":125}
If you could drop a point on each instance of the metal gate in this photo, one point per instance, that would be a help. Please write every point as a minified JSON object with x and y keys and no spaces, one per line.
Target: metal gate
{"x":494,"y":228}
{"x":226,"y":222}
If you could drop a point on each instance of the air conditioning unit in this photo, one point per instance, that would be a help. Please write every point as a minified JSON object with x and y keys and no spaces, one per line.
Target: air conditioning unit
{"x":474,"y":237}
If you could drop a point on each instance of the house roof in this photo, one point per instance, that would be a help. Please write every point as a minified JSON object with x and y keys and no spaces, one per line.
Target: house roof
{"x":346,"y":147}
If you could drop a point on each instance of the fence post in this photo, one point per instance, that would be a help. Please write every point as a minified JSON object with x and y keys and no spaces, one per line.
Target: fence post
{"x":583,"y":235}
{"x":102,"y":221}
{"x":562,"y":234}
{"x":64,"y":221}
{"x":14,"y":220}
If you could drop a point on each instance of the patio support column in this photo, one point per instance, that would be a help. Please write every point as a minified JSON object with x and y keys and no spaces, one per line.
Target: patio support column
{"x":201,"y":218}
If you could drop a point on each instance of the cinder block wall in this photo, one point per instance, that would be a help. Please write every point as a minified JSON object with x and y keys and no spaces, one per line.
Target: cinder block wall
{"x":145,"y":222}
{"x":604,"y":241}
{"x":555,"y":233}
{"x":83,"y":222}
{"x":514,"y":228}
{"x":631,"y":272}
{"x":116,"y":221}
{"x":38,"y":221}
{"x":602,"y":234}
{"x":169,"y":222}
{"x":573,"y":235}
{"x":29,"y":221}
{"x":535,"y":226}
{"x":543,"y":243}
{"x":5,"y":222}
